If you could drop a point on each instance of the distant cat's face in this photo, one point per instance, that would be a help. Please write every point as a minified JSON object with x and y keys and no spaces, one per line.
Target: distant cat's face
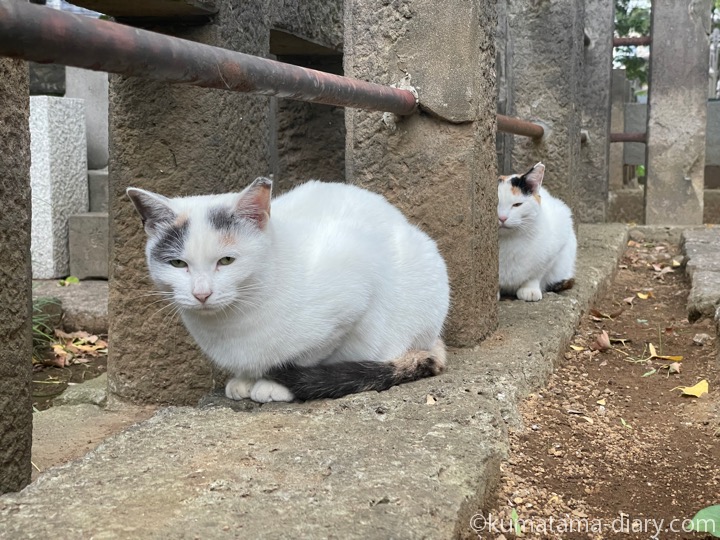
{"x":519,"y":199}
{"x":208,"y":251}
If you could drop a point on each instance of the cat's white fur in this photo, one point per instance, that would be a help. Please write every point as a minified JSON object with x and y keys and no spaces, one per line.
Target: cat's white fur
{"x":536,"y":237}
{"x":330,"y":273}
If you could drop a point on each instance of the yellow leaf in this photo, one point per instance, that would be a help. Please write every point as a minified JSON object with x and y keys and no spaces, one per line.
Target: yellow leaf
{"x":601,"y":402}
{"x":669,"y":358}
{"x":643,"y":296}
{"x":698,"y":390}
{"x":654,"y":354}
{"x":577,"y":348}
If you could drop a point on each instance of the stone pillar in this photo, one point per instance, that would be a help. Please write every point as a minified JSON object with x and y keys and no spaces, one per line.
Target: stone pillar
{"x":92,"y":88}
{"x":597,"y":79}
{"x":176,"y":140}
{"x":59,"y":180}
{"x":548,"y":72}
{"x":677,"y":112}
{"x":619,"y":95}
{"x":15,"y":297}
{"x":438,"y":166}
{"x":504,"y":52}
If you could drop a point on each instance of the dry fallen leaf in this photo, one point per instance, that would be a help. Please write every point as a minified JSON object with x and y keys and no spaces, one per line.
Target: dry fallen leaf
{"x":674,"y":368}
{"x":601,"y":402}
{"x":602,"y":342}
{"x":629,"y":300}
{"x":696,"y":391}
{"x":577,"y":348}
{"x":645,"y":295}
{"x":654,"y":354}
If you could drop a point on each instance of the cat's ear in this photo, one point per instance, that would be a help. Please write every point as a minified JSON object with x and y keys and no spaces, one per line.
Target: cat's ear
{"x":534,"y":177}
{"x":153,"y":208}
{"x":254,"y":202}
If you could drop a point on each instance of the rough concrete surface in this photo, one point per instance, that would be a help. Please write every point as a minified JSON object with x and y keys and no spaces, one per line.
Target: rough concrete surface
{"x":702,"y":248}
{"x":67,"y":432}
{"x":15,"y":323}
{"x":443,"y":176}
{"x":92,"y":88}
{"x":394,"y":464}
{"x":84,"y":305}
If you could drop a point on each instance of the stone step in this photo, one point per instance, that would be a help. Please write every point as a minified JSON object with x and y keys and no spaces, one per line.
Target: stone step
{"x":98,"y":189}
{"x":89,"y":245}
{"x":416,"y":461}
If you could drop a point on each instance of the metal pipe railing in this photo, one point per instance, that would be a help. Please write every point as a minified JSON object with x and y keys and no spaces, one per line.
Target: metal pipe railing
{"x":508,"y":124}
{"x":627,"y":41}
{"x":628,"y":137}
{"x":46,"y":35}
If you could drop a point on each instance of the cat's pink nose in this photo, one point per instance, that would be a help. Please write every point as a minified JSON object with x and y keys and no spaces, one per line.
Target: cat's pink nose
{"x":203,"y":296}
{"x":502,"y":219}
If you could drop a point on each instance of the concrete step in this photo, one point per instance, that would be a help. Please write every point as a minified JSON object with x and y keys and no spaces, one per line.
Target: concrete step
{"x":89,"y":245}
{"x":394,"y":464}
{"x":98,"y":189}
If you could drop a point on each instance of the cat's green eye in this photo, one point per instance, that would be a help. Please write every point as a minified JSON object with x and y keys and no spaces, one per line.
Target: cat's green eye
{"x":177,"y":263}
{"x":226,"y":260}
{"x":517,"y":204}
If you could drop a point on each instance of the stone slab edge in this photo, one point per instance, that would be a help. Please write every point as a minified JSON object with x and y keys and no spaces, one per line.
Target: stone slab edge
{"x":375,"y":465}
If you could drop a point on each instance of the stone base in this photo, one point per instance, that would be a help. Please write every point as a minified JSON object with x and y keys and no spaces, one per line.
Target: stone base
{"x":627,"y":206}
{"x":89,"y":250}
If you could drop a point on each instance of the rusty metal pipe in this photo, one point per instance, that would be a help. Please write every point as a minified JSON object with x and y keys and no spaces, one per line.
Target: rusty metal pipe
{"x":46,"y":35}
{"x":628,"y":137}
{"x":627,"y":41}
{"x":508,"y":124}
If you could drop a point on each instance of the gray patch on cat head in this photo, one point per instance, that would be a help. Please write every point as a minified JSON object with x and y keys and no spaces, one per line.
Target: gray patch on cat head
{"x":223,"y":219}
{"x":171,"y":242}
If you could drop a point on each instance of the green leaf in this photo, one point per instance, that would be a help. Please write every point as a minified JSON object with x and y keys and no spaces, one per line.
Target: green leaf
{"x":516,"y":521}
{"x":707,"y":520}
{"x":651,"y":372}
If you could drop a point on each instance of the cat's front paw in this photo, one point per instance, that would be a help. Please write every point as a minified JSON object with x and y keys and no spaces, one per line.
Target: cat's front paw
{"x":265,"y":391}
{"x":238,"y":388}
{"x":529,"y":294}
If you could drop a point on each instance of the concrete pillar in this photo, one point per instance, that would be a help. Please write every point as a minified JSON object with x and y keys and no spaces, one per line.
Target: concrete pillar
{"x":437,"y":166}
{"x":504,"y":51}
{"x":548,"y":73}
{"x":59,"y":180}
{"x":177,"y":140}
{"x":635,"y":122}
{"x":92,"y":88}
{"x":15,"y":297}
{"x":620,"y":94}
{"x":677,"y":112}
{"x":597,"y":79}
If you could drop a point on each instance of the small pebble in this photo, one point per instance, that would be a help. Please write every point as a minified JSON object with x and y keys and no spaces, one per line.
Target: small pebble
{"x":701,"y":339}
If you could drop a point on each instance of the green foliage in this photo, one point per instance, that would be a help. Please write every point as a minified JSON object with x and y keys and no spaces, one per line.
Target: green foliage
{"x":708,"y":519}
{"x":43,"y":335}
{"x":632,"y":18}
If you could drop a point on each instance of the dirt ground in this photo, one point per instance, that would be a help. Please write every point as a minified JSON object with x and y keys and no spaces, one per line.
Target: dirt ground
{"x":49,"y":382}
{"x":611,"y":447}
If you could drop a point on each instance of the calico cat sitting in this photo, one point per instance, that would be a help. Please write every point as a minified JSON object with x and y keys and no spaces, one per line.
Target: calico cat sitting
{"x":336,"y":293}
{"x":536,"y":237}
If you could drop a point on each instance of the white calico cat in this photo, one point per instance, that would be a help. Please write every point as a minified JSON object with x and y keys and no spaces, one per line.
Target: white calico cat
{"x":536,"y":237}
{"x":336,"y":293}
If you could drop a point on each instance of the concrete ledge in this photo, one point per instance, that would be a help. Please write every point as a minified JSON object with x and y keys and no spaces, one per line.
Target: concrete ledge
{"x":375,"y":465}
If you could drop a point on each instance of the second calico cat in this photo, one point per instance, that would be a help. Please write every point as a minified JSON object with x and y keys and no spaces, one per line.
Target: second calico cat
{"x":536,"y":237}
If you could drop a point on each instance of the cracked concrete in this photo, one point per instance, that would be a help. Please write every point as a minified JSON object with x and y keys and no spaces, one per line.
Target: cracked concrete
{"x":372,"y":465}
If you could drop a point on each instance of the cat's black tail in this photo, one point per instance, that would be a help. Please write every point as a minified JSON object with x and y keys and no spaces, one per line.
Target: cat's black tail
{"x":561,"y":285}
{"x":343,"y":378}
